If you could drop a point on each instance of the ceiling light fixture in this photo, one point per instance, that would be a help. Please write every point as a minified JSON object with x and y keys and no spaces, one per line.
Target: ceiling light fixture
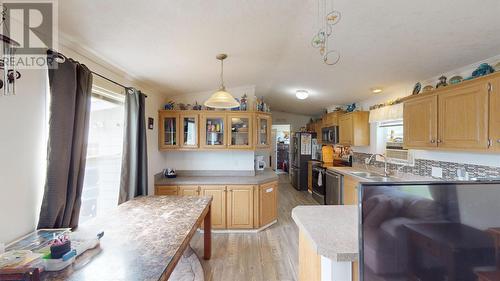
{"x":221,"y":99}
{"x":302,"y":94}
{"x":376,"y":90}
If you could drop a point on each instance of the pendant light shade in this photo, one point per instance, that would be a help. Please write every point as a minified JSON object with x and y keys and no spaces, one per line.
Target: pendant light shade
{"x":221,"y":99}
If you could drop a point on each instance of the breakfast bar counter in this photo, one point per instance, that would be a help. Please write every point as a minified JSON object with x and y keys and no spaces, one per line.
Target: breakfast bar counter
{"x":328,"y":242}
{"x":144,"y":239}
{"x":214,"y":177}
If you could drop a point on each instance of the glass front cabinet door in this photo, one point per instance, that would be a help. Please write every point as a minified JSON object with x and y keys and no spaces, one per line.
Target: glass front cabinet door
{"x":213,"y":130}
{"x":169,"y":130}
{"x":189,"y":130}
{"x":239,"y":130}
{"x":263,"y":138}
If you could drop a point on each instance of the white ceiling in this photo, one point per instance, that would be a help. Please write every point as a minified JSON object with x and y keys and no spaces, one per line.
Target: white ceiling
{"x":172,"y":44}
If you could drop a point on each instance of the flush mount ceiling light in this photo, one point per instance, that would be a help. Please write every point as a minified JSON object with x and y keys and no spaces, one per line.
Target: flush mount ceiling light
{"x":221,"y":98}
{"x":302,"y":94}
{"x":376,"y":90}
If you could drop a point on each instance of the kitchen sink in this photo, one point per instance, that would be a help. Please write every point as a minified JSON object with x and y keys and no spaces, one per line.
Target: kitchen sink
{"x":379,"y":178}
{"x":365,"y":174}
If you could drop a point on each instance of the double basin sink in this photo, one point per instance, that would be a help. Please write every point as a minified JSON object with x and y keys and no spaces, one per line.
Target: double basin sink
{"x":373,"y":176}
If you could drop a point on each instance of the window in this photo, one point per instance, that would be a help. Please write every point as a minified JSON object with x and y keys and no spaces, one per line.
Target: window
{"x":104,"y":154}
{"x":390,"y":143}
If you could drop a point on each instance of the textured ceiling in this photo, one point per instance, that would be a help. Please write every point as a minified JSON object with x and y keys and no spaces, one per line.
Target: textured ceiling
{"x":172,"y":44}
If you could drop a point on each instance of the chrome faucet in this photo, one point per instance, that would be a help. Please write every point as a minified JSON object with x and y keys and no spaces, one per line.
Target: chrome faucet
{"x":369,"y":160}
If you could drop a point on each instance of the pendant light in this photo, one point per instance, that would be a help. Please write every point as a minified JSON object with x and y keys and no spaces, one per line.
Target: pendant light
{"x":221,"y":98}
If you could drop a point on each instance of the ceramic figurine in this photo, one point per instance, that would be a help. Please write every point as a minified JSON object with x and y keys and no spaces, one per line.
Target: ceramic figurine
{"x":456,"y":79}
{"x":169,"y":105}
{"x":427,"y":88}
{"x":197,"y":106}
{"x":442,"y":82}
{"x":243,"y":103}
{"x":182,"y":106}
{"x":351,"y":107}
{"x":416,"y":88}
{"x":483,"y":69}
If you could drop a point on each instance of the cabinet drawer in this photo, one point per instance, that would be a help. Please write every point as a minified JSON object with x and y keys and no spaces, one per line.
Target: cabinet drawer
{"x":166,"y":190}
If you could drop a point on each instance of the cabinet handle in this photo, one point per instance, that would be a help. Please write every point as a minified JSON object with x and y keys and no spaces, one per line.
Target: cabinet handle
{"x":433,"y":141}
{"x":439,"y":141}
{"x":498,"y":140}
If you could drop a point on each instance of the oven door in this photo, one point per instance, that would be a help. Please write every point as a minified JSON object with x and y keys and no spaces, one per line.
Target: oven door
{"x":318,"y":191}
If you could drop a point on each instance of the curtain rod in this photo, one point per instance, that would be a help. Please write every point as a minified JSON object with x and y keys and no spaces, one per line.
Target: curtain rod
{"x":93,"y":72}
{"x":112,"y":81}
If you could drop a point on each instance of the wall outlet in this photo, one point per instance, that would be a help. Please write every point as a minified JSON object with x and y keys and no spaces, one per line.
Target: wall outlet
{"x":437,"y":172}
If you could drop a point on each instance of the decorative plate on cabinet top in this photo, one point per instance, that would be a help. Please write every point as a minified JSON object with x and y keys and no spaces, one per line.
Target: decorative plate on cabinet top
{"x":456,"y":79}
{"x":427,"y":88}
{"x":416,"y":88}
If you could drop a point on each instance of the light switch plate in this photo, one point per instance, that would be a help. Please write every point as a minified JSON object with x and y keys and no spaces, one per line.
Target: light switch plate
{"x":437,"y":172}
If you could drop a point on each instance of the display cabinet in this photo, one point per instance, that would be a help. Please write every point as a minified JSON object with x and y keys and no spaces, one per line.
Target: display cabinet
{"x":239,"y":130}
{"x":213,"y":130}
{"x":263,"y":130}
{"x":169,"y":133}
{"x":189,"y":130}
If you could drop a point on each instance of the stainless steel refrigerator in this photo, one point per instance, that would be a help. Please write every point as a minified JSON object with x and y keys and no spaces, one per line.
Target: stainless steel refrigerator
{"x":302,"y":151}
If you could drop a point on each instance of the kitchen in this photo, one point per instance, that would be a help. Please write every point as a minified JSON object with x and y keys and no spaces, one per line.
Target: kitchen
{"x":312,"y":140}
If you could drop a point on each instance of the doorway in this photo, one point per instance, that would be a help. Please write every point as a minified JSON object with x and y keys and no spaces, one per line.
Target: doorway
{"x":280,"y":148}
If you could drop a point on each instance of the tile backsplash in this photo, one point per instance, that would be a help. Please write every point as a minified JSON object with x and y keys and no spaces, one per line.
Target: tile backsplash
{"x":423,"y":168}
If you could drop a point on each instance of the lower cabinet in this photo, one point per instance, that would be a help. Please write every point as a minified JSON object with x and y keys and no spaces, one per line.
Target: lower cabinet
{"x":350,"y":191}
{"x":240,"y":206}
{"x":234,"y":206}
{"x":192,"y":190}
{"x":218,"y":209}
{"x":166,"y":190}
{"x":268,"y":203}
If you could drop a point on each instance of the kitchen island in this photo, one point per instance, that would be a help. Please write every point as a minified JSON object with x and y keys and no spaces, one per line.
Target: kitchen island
{"x":328,"y":242}
{"x":242,"y":201}
{"x":144,"y":239}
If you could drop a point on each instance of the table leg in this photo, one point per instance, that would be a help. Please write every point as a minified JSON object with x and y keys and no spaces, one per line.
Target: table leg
{"x":207,"y":235}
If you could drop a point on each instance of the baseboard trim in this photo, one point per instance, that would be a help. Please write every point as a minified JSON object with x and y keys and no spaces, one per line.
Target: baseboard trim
{"x":240,"y":230}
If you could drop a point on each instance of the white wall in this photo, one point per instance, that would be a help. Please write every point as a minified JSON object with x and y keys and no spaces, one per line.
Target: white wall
{"x":296,"y":121}
{"x":210,"y":160}
{"x":22,"y":154}
{"x":402,"y":90}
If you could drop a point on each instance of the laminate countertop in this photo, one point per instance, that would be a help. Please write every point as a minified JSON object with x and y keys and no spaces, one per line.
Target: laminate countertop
{"x":143,"y":239}
{"x":331,"y":229}
{"x":401,"y":177}
{"x":267,"y":175}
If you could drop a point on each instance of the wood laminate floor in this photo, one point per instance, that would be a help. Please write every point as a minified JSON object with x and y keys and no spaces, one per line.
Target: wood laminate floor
{"x":271,"y":254}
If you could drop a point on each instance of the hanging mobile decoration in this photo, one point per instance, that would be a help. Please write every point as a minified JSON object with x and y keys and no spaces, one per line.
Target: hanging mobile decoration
{"x":327,"y":18}
{"x":7,"y":62}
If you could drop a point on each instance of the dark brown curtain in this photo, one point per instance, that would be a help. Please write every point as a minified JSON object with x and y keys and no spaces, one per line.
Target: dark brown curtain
{"x":134,"y":174}
{"x":70,"y":93}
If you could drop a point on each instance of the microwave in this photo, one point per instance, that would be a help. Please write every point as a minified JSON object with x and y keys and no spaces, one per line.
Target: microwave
{"x":330,"y":135}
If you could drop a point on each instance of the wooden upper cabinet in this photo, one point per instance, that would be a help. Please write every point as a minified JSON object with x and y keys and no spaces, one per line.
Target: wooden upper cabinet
{"x":239,"y":130}
{"x":420,"y":122}
{"x":463,"y":117}
{"x":240,"y":203}
{"x":213,"y":130}
{"x":331,"y":119}
{"x":318,"y":128}
{"x":189,"y":130}
{"x":354,"y":129}
{"x":494,"y":127}
{"x":263,"y":130}
{"x":218,"y":207}
{"x":168,"y":132}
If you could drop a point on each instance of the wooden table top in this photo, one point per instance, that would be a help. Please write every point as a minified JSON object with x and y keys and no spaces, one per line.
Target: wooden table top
{"x":143,"y":239}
